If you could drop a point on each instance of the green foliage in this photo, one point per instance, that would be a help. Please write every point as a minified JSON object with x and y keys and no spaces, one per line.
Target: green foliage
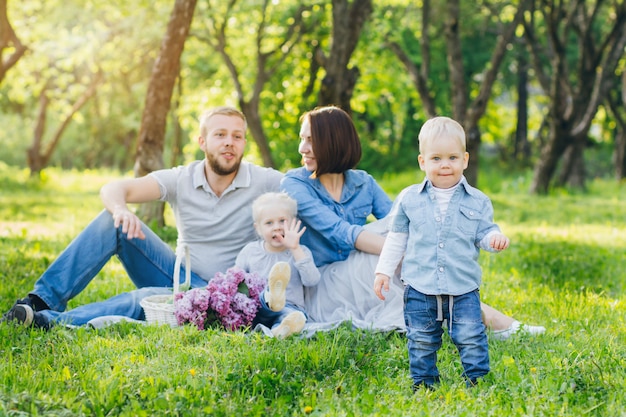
{"x":564,"y":270}
{"x":71,"y":41}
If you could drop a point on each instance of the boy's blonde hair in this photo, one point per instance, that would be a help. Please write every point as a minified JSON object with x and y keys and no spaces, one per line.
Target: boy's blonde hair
{"x":438,"y":127}
{"x":224,"y":111}
{"x":275,"y":201}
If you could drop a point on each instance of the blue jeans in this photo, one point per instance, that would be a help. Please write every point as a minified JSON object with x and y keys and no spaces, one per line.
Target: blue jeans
{"x":269,"y":318}
{"x":424,"y":334}
{"x":149,"y":264}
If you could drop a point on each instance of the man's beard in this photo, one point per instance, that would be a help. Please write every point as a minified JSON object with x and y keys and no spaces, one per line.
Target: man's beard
{"x":219,"y":169}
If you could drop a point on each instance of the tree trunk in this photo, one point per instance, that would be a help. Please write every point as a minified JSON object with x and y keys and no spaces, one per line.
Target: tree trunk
{"x":177,"y":143}
{"x":548,"y":160}
{"x":619,"y":147}
{"x":337,"y":87}
{"x":473,"y":148}
{"x":616,"y":105}
{"x":521,"y":145}
{"x":573,"y":165}
{"x":33,"y":154}
{"x":619,"y":156}
{"x":255,"y":124}
{"x":154,"y":118}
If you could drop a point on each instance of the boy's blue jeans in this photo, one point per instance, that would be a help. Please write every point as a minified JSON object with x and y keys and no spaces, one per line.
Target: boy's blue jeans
{"x":149,"y":264}
{"x":424,"y":334}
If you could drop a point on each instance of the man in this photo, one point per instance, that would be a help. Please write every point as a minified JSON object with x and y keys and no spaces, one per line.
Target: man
{"x":211,"y":200}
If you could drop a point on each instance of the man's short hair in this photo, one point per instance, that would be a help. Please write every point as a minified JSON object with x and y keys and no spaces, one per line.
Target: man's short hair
{"x":224,"y":111}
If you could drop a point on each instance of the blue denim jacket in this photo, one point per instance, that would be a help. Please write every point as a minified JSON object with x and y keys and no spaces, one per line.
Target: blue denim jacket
{"x":332,"y":227}
{"x":442,"y":254}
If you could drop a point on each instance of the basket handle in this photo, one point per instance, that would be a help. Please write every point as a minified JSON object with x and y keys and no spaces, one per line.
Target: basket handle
{"x":187,"y":270}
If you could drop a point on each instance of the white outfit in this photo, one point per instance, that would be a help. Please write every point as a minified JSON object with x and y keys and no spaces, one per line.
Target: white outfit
{"x":346,"y":292}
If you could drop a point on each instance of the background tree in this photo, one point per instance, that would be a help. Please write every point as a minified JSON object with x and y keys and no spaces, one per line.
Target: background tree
{"x":521,"y":145}
{"x":273,"y":43}
{"x":385,"y":106}
{"x":575,"y":47}
{"x":9,"y":42}
{"x":466,"y":112}
{"x":158,"y":100}
{"x":41,"y":150}
{"x":71,"y":40}
{"x":62,"y":78}
{"x":73,"y":43}
{"x":339,"y":80}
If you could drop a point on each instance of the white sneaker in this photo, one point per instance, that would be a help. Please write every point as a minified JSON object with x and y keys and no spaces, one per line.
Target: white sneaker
{"x":277,"y":286}
{"x":293,"y":323}
{"x":517,"y":327}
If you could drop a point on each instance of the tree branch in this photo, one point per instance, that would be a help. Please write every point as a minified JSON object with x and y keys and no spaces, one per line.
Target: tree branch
{"x":8,"y":38}
{"x":479,"y":105}
{"x":417,"y":75}
{"x":82,"y":100}
{"x":455,"y":61}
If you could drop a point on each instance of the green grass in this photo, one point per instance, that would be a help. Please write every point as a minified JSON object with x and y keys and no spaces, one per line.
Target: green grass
{"x":566,"y":269}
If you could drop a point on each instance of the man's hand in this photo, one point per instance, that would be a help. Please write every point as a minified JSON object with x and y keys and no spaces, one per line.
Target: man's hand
{"x":381,"y":282}
{"x":116,"y":195}
{"x":131,"y":225}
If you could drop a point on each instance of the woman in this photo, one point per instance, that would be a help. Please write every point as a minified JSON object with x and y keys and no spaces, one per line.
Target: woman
{"x":334,"y":202}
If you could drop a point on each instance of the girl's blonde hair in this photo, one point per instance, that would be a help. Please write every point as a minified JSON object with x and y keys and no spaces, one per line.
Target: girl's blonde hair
{"x":438,"y":127}
{"x":275,"y":201}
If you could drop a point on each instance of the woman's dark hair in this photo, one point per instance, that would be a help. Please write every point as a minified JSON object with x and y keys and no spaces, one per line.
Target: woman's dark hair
{"x":334,"y":140}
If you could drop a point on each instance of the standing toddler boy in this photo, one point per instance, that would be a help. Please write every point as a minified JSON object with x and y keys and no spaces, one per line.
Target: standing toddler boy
{"x":439,"y":227}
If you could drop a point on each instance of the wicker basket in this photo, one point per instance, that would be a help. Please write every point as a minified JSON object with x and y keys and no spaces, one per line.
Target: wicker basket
{"x":159,"y":309}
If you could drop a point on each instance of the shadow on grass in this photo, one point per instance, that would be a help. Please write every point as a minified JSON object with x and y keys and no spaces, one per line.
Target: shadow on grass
{"x":571,"y":266}
{"x":564,"y":210}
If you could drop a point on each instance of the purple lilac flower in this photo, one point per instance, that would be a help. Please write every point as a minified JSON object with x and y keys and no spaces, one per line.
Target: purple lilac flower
{"x":221,"y":298}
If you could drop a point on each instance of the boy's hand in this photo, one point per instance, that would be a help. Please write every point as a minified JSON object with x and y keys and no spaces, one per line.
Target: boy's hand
{"x":381,"y":282}
{"x":291,"y":240}
{"x":499,"y":242}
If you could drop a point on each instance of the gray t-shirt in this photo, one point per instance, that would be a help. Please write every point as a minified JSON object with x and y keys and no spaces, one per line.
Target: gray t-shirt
{"x":214,"y":228}
{"x":254,"y":258}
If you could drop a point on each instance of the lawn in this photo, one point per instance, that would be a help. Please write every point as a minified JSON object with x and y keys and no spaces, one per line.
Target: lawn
{"x":566,"y":270}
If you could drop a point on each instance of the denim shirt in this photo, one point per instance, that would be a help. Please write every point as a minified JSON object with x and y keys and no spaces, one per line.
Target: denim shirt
{"x":442,"y":254}
{"x":332,"y":227}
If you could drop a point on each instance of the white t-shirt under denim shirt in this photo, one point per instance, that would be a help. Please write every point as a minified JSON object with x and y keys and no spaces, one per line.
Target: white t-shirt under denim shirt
{"x":214,"y":228}
{"x":440,"y":236}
